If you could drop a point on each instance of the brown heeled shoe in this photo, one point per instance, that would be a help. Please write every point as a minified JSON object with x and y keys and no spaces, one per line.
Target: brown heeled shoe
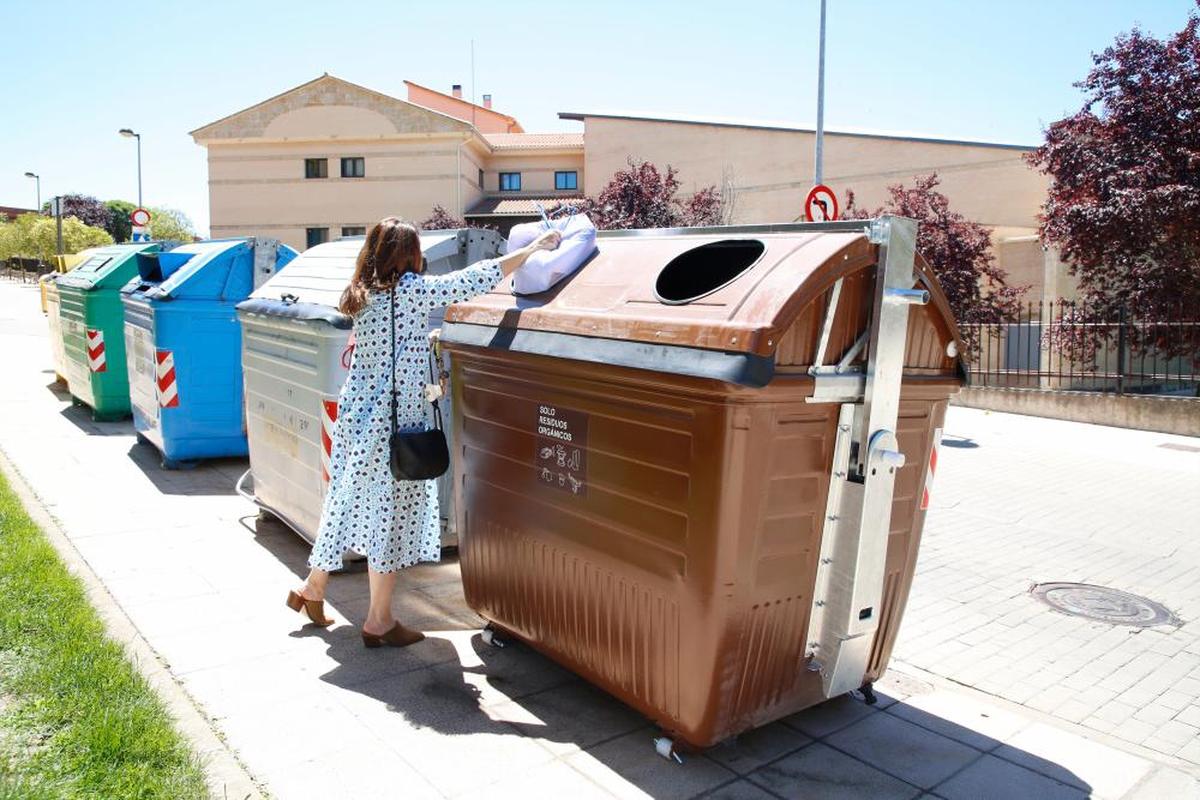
{"x":313,"y":609}
{"x":398,"y":636}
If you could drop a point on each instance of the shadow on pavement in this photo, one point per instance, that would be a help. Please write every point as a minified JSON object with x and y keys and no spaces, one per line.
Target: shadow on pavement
{"x":211,"y":477}
{"x":455,"y":685}
{"x":80,"y":416}
{"x":959,"y":442}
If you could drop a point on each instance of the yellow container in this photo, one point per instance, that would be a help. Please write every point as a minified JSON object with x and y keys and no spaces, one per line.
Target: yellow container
{"x":63,"y":263}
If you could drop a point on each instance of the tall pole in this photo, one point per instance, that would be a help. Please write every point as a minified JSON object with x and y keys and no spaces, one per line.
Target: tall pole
{"x":58,"y":222}
{"x":818,"y":168}
{"x":139,"y":136}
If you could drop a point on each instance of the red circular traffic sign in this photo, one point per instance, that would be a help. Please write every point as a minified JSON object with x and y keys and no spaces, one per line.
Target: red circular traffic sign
{"x":821,"y":205}
{"x":139,"y":217}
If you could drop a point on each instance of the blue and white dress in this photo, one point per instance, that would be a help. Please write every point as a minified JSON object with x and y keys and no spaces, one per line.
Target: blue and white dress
{"x":395,"y":524}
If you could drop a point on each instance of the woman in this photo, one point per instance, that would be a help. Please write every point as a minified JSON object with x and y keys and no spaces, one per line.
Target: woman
{"x":395,"y":524}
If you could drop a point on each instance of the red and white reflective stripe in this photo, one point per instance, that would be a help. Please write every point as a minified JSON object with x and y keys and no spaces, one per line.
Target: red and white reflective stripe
{"x":95,"y":348}
{"x":933,"y":459}
{"x":329,"y":410}
{"x":168,"y":391}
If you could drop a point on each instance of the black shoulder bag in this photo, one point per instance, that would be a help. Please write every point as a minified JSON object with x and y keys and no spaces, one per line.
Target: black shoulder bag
{"x":420,"y":455}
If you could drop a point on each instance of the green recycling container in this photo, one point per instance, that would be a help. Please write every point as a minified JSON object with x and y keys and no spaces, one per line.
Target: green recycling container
{"x":92,"y":321}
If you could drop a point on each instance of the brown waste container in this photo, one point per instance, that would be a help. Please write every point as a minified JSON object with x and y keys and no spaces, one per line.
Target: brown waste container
{"x":696,"y":472}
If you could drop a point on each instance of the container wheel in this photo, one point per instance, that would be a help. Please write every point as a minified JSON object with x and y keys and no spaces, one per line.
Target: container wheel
{"x":267,"y":516}
{"x":665,"y":747}
{"x":491,"y":636}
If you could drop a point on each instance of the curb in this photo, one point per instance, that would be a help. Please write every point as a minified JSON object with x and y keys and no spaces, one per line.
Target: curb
{"x":228,"y":778}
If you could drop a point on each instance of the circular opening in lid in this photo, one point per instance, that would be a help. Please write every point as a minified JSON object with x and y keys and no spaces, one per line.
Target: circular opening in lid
{"x":704,"y":269}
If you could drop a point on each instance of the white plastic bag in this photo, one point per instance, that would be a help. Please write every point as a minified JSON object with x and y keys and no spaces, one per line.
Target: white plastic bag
{"x":545,"y":268}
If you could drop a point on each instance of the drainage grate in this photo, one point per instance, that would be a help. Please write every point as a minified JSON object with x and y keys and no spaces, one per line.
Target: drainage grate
{"x":1103,"y":604}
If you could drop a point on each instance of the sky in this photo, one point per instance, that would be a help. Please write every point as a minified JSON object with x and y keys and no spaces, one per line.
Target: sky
{"x":76,"y":72}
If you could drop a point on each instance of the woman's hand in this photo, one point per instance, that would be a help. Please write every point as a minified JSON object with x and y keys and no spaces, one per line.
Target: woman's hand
{"x":550,"y":240}
{"x":547,"y":241}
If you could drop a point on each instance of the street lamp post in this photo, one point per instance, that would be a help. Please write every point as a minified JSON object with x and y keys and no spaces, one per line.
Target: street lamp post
{"x":127,"y":133}
{"x":819,"y":156}
{"x":37,"y":178}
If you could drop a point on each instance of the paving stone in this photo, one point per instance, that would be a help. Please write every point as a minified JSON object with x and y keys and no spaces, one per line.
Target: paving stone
{"x":1165,"y":783}
{"x":909,"y":752}
{"x":569,"y":718}
{"x":1176,"y":732}
{"x":752,"y":749}
{"x":1115,"y":712}
{"x":830,"y":716}
{"x":820,"y":771}
{"x":628,"y":765}
{"x":1154,"y":714}
{"x":1070,"y":758}
{"x":364,"y":773}
{"x":991,"y":778}
{"x":1189,"y":752}
{"x":740,"y":790}
{"x":556,"y":779}
{"x":1074,"y":710}
{"x":1134,"y":730}
{"x":960,"y":717}
{"x":1190,"y":716}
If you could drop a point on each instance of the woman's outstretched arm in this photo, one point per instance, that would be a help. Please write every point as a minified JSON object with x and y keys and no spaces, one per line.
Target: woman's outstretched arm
{"x":547,"y":241}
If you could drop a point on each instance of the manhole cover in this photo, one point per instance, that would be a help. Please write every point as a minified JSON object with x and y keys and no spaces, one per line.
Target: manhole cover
{"x":1103,"y":604}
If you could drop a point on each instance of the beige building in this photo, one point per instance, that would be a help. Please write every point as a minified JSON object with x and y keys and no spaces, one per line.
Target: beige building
{"x":328,"y":158}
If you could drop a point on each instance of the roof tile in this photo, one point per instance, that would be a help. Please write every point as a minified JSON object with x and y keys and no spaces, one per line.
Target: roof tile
{"x":518,"y":206}
{"x":533,"y":141}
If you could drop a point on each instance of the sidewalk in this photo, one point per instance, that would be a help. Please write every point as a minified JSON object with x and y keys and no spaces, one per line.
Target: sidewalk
{"x":312,"y":714}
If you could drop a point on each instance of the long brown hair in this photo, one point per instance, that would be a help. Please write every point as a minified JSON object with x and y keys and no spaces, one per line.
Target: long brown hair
{"x":393,"y":247}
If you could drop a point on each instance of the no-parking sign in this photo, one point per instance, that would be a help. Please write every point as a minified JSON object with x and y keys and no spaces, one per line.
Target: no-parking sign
{"x":140,"y":218}
{"x":821,"y":205}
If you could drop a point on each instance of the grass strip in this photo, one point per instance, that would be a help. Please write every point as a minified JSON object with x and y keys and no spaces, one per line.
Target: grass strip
{"x":76,"y":718}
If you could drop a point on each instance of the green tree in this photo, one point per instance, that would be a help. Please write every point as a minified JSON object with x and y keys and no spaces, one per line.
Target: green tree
{"x":35,"y":236}
{"x":119,"y":226}
{"x":16,"y":237}
{"x":170,"y":225}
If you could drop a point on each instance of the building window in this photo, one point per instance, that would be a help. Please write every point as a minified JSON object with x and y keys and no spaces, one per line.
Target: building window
{"x":510,"y":181}
{"x":316,"y":236}
{"x":353,"y":230}
{"x":480,"y":183}
{"x":566,"y":180}
{"x":316,"y":167}
{"x":354,"y":167}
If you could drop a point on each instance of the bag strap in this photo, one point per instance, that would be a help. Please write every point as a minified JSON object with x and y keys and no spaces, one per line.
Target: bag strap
{"x":393,"y":360}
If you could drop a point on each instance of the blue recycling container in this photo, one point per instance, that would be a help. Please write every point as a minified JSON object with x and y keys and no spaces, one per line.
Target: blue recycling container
{"x":183,"y":344}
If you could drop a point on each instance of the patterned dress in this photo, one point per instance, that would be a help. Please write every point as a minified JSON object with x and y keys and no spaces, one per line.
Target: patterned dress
{"x":395,"y":524}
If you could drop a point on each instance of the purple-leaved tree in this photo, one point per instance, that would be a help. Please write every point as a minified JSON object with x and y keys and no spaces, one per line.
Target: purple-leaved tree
{"x":85,"y":208}
{"x":1124,"y":200}
{"x":641,"y":196}
{"x":958,"y":250}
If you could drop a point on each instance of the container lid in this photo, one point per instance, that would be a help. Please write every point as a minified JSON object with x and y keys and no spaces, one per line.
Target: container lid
{"x":107,"y":267}
{"x":218,"y":269}
{"x":312,"y":285}
{"x":715,"y":292}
